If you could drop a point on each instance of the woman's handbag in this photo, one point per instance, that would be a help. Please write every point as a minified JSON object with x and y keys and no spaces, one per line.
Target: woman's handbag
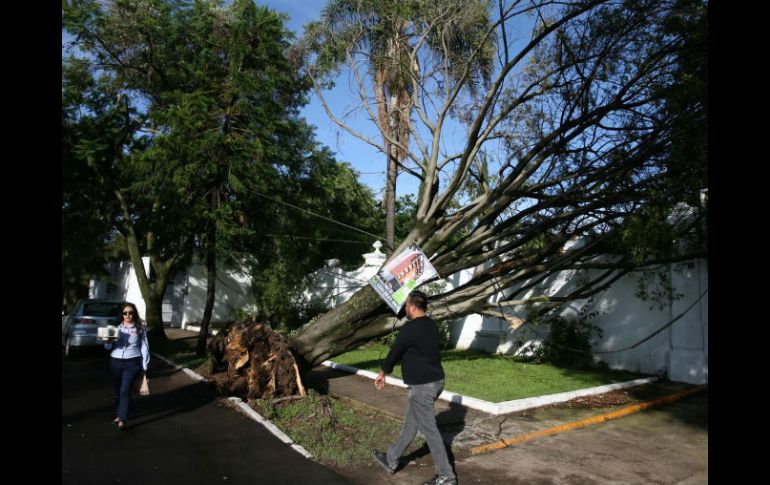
{"x":145,"y":389}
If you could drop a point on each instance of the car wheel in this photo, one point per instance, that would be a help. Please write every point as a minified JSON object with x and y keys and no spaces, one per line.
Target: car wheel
{"x":68,"y":350}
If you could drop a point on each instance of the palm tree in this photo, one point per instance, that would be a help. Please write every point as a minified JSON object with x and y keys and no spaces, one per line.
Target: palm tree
{"x":388,"y":31}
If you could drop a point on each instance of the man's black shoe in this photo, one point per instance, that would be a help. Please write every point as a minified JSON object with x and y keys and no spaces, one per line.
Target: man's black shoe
{"x":382,"y":459}
{"x":441,"y":480}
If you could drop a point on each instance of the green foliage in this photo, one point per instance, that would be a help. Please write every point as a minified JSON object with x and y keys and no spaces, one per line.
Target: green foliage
{"x":191,"y":111}
{"x":406,"y":212}
{"x":646,"y":236}
{"x":686,"y":102}
{"x":568,"y":343}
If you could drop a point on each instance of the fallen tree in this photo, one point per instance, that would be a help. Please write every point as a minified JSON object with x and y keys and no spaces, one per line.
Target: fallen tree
{"x":579,"y":134}
{"x":584,"y":131}
{"x":253,"y":361}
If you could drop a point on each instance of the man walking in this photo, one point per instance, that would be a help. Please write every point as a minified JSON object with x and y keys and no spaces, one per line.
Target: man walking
{"x":417,"y":347}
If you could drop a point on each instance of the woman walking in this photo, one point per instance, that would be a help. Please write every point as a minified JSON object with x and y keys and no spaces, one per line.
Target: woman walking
{"x":128,"y":360}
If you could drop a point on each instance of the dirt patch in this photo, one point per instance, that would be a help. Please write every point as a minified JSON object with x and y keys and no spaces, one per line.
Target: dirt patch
{"x":608,"y":399}
{"x":621,"y":397}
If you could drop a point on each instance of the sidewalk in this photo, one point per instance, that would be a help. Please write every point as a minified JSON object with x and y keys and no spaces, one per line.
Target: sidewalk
{"x":181,"y":434}
{"x":663,"y":445}
{"x":667,"y":444}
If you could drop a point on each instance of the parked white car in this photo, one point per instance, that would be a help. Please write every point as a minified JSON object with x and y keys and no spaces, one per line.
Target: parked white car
{"x":80,"y":326}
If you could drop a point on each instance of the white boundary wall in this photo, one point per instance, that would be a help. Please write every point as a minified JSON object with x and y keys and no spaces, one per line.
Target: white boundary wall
{"x":680,"y":352}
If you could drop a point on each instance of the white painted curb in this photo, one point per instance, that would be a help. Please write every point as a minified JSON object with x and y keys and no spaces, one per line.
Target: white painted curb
{"x":505,"y":406}
{"x":245,"y":408}
{"x":193,"y":328}
{"x":270,"y":426}
{"x":168,"y":361}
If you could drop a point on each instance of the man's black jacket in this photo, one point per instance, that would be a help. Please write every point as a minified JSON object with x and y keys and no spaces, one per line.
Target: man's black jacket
{"x":417,"y":347}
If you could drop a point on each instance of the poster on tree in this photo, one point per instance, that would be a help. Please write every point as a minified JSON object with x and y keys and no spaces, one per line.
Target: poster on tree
{"x":397,"y":278}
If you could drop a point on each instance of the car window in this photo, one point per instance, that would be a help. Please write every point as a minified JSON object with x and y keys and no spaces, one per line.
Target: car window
{"x":102,"y":309}
{"x":74,"y":308}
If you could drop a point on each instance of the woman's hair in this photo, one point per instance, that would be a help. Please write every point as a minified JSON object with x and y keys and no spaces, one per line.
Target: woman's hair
{"x":136,"y":318}
{"x":138,"y":322}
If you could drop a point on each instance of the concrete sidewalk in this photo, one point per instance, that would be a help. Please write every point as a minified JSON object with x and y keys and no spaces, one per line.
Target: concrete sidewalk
{"x":663,"y":445}
{"x":463,"y":427}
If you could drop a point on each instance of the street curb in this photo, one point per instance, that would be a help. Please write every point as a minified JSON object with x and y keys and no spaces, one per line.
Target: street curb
{"x":244,"y":407}
{"x":505,"y":406}
{"x":168,"y":361}
{"x":194,"y":328}
{"x":251,"y":413}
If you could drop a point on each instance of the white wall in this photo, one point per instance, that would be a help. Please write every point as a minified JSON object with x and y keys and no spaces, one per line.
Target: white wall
{"x":232,"y":293}
{"x":332,"y":285}
{"x":680,"y":351}
{"x":186,"y":293}
{"x":120,"y":284}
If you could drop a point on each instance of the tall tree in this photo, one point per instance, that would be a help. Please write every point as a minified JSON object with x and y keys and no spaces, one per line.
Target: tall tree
{"x":196,"y":110}
{"x":85,"y":226}
{"x":121,"y":67}
{"x":571,"y":138}
{"x":388,"y":32}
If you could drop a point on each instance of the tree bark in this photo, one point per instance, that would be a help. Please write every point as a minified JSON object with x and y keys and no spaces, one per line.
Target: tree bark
{"x":211,"y":280}
{"x":340,"y":329}
{"x":151,"y":293}
{"x":390,"y":201}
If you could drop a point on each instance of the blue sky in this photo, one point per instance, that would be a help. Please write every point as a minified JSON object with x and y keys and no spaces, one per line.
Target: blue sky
{"x":363,"y":157}
{"x":367,"y":160}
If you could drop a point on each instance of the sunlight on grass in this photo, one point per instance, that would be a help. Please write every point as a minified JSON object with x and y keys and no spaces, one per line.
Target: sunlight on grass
{"x":494,"y":378}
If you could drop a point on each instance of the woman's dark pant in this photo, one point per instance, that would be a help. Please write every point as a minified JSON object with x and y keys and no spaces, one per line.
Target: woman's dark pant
{"x":123,"y":373}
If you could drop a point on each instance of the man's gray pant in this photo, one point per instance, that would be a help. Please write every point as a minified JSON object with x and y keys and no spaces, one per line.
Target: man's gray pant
{"x":419,"y":416}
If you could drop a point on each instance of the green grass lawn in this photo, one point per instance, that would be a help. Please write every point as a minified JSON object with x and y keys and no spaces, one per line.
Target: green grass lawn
{"x":494,"y":378}
{"x":334,"y":431}
{"x":181,"y":352}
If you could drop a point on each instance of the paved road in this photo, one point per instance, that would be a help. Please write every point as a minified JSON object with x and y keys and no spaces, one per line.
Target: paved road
{"x":181,"y":434}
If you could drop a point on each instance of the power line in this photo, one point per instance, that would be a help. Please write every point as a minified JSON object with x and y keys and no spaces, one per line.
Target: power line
{"x":318,"y":215}
{"x":365,"y":282}
{"x":317,"y":239}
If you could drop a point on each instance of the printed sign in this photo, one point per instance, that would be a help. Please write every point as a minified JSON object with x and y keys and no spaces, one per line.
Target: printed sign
{"x":396,"y":279}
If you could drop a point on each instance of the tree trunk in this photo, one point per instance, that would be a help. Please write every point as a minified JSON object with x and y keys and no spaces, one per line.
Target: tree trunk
{"x":341,"y":329}
{"x":154,"y":315}
{"x":390,"y":201}
{"x":211,"y":282}
{"x":151,"y":293}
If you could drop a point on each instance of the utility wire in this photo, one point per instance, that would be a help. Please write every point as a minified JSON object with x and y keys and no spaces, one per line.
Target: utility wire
{"x":320,"y":216}
{"x":316,"y":239}
{"x":365,"y":282}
